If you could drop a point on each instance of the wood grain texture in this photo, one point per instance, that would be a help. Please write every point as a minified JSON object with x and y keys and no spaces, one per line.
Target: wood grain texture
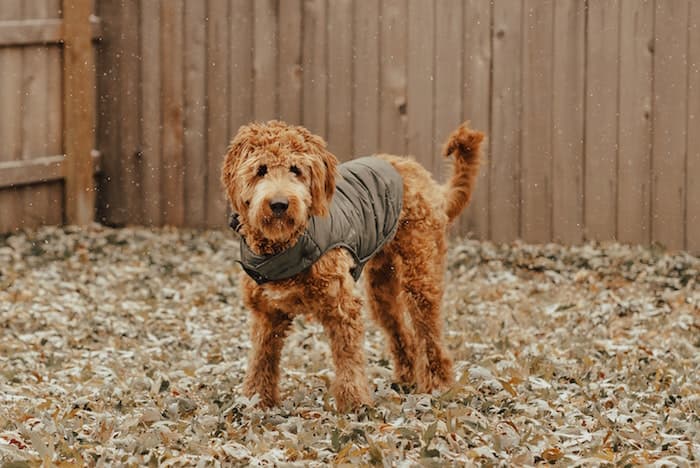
{"x":38,"y":170}
{"x":669,"y":122}
{"x":289,"y":57}
{"x":56,"y":92}
{"x":119,"y":197}
{"x":109,"y":210}
{"x":150,"y":108}
{"x":265,"y":48}
{"x":420,"y":83}
{"x":536,"y":172}
{"x":692,"y":173}
{"x":128,"y":94}
{"x":602,"y":85}
{"x":30,"y":32}
{"x":219,"y":95}
{"x":79,"y":110}
{"x":340,"y":89}
{"x":11,"y":201}
{"x":380,"y":75}
{"x":195,"y":114}
{"x":173,"y":164}
{"x":240,"y":90}
{"x":42,"y":204}
{"x":315,"y":67}
{"x":476,"y":98}
{"x":504,"y":196}
{"x":634,"y":157}
{"x":393,"y":40}
{"x":365,"y":111}
{"x":568,"y":104}
{"x":449,"y":29}
{"x":32,"y":171}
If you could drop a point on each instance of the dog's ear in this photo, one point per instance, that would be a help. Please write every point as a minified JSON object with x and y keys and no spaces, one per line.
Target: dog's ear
{"x":237,"y":150}
{"x":324,"y":170}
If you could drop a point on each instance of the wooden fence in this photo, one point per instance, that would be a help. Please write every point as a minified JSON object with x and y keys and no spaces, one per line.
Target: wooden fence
{"x":592,"y":106}
{"x":47,"y":98}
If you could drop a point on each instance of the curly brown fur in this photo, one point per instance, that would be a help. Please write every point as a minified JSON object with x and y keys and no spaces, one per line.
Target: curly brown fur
{"x":273,"y":161}
{"x":465,"y":144}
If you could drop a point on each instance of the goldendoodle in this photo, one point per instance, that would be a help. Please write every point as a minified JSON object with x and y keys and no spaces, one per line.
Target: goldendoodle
{"x":310,"y":226}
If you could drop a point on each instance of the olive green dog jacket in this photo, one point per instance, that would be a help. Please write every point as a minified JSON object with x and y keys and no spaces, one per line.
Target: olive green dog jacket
{"x":364,"y":215}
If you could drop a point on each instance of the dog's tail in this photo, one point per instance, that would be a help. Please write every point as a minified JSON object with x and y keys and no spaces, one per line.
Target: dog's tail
{"x":465,"y":144}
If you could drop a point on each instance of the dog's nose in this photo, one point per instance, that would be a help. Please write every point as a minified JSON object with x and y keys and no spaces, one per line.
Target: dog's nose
{"x":279,"y":205}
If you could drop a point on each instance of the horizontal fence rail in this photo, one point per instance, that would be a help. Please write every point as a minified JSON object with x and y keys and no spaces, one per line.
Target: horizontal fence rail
{"x":38,"y":170}
{"x":33,"y":32}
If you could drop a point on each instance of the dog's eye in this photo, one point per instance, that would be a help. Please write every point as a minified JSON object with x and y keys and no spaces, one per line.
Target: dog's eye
{"x":295,"y":170}
{"x":262,"y":170}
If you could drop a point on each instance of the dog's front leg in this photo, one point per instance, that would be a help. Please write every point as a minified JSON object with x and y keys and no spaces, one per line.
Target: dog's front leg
{"x":268,"y":330}
{"x":342,"y":321}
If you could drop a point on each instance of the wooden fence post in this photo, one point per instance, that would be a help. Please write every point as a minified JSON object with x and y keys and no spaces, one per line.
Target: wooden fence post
{"x":79,"y":111}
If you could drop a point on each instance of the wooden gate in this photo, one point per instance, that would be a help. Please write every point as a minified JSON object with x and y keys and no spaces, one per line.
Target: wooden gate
{"x":47,"y":97}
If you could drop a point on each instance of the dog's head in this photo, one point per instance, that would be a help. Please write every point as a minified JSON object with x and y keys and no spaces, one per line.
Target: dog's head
{"x":276,"y":177}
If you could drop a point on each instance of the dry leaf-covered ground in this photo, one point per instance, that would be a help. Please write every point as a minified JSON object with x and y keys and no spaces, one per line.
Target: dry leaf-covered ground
{"x":128,"y":347}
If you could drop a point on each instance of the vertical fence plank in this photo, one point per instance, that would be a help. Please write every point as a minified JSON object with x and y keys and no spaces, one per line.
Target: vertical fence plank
{"x":37,"y":200}
{"x":504,"y":196}
{"x":56,"y":96}
{"x":241,"y":69}
{"x":600,"y":195}
{"x":150,"y":108}
{"x":79,"y":109}
{"x":393,"y":37}
{"x":129,"y":134}
{"x":365,"y":112}
{"x":108,"y":206}
{"x":219,"y":95}
{"x":419,"y":85}
{"x":173,"y":181}
{"x":315,"y":78}
{"x":118,"y":136}
{"x":448,"y":78}
{"x":265,"y":59}
{"x":476,"y":97}
{"x":536,"y":176}
{"x":692,"y":219}
{"x":240,"y":91}
{"x":669,"y":123}
{"x":11,"y":200}
{"x":568,"y":115}
{"x":195,"y":164}
{"x":634,"y":157}
{"x":55,"y":212}
{"x":290,"y":30}
{"x":340,"y":90}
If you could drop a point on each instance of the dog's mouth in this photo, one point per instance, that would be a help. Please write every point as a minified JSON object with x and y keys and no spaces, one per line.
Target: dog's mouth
{"x":279,"y":220}
{"x":279,"y":227}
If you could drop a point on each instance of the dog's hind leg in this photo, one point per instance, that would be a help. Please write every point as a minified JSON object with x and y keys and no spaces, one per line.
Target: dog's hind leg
{"x":268,"y":331}
{"x":383,"y":283}
{"x":423,"y":283}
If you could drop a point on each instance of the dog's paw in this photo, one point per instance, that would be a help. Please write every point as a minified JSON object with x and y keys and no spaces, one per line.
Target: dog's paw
{"x":349,"y":405}
{"x":437,"y":375}
{"x":265,"y":398}
{"x":348,"y":399}
{"x":404,"y":376}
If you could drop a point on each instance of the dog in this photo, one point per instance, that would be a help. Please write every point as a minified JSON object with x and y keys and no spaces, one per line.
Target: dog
{"x":283,"y":183}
